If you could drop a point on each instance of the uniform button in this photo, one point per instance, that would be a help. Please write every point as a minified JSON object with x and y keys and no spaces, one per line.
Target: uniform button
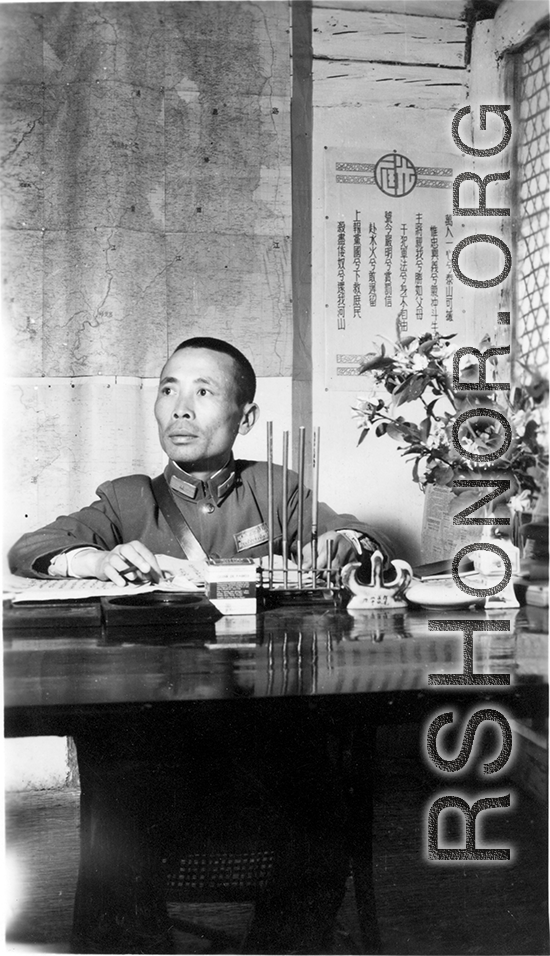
{"x":208,"y":509}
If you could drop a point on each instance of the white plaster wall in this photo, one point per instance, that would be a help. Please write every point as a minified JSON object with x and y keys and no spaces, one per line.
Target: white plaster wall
{"x":274,"y":396}
{"x":35,"y":763}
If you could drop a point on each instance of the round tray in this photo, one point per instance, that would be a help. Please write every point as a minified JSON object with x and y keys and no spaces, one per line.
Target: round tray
{"x":440,"y":595}
{"x":158,"y":608}
{"x":157,"y":599}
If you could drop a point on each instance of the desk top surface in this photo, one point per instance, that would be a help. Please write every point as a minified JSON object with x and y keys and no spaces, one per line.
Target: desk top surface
{"x":296,"y":651}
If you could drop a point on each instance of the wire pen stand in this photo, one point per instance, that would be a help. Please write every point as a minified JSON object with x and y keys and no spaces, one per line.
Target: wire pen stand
{"x":290,"y":584}
{"x":326,"y":591}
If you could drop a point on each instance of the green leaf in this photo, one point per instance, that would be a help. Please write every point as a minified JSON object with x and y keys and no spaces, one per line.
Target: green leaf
{"x":416,"y":449}
{"x":403,"y":394}
{"x":443,"y":474}
{"x":381,"y":429}
{"x":418,"y":385}
{"x":410,"y":432}
{"x":530,"y":435}
{"x":363,"y":435}
{"x":394,"y":432}
{"x":378,"y":361}
{"x":402,"y":383}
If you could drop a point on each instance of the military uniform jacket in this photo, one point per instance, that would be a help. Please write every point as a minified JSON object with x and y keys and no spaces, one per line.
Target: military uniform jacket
{"x":228,"y":514}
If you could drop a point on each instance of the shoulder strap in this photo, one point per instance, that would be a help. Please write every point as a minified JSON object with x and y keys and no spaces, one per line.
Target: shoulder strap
{"x":188,"y":543}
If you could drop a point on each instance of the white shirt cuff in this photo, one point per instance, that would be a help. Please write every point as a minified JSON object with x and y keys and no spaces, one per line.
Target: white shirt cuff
{"x":61,"y":566}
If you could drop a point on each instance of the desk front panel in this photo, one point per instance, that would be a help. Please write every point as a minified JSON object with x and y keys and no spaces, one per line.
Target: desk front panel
{"x":380,"y":658}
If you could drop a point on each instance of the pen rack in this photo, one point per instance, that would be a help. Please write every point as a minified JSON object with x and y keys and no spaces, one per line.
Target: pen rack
{"x":273,"y":597}
{"x":294,"y":584}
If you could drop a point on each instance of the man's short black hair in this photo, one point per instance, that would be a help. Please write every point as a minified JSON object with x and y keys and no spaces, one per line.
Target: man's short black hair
{"x":245,"y":379}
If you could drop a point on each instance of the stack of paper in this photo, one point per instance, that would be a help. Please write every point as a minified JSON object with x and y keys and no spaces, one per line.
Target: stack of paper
{"x":182,"y":576}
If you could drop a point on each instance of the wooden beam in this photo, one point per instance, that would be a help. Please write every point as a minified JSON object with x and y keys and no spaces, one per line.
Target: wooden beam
{"x":301,"y":121}
{"x":360,"y":84}
{"x":515,"y":23}
{"x":441,"y":9}
{"x":489,"y":83}
{"x":388,"y":38}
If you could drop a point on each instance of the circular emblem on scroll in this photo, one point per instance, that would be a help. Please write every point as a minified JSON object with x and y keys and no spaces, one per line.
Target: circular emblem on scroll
{"x":395,"y":175}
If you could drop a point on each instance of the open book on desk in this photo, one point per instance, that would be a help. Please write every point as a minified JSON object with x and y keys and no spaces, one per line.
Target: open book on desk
{"x":182,"y":576}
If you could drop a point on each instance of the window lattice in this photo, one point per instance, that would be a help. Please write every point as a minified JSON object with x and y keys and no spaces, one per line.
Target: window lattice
{"x":534,"y":176}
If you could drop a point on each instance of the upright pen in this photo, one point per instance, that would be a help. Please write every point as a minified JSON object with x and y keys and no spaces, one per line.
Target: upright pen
{"x":284,"y":515}
{"x":270,"y":515}
{"x":329,"y":563}
{"x":315,"y":446}
{"x":300,"y":537}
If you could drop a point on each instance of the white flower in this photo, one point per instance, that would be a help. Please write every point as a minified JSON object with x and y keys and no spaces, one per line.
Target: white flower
{"x":360,"y":417}
{"x":520,"y":420}
{"x":520,"y":503}
{"x":438,"y":436}
{"x":444,"y":353}
{"x":419,"y":362}
{"x":402,"y":362}
{"x":468,"y":444}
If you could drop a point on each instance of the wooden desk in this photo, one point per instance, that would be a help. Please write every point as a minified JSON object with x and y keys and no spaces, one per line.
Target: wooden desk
{"x":57,"y":678}
{"x":343,"y":670}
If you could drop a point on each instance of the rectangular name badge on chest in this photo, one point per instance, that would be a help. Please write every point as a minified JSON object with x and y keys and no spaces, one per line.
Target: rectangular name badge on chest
{"x":251,"y":537}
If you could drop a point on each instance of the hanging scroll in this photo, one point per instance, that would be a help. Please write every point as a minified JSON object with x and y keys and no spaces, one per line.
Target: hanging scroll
{"x":389,"y":240}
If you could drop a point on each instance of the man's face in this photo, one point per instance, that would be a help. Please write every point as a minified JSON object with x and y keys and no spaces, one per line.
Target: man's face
{"x":197,"y":412}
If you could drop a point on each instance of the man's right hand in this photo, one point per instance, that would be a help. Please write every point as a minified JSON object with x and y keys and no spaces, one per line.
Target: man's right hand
{"x":108,"y":565}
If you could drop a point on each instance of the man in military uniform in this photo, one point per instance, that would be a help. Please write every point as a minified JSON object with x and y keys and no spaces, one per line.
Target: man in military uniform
{"x":205,"y":399}
{"x":143,"y":785}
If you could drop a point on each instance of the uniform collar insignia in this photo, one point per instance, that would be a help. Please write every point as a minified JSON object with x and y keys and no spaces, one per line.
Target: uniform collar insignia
{"x":216,"y":487}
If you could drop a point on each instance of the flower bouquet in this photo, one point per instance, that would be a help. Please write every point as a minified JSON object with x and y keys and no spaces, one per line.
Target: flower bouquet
{"x":417,"y":372}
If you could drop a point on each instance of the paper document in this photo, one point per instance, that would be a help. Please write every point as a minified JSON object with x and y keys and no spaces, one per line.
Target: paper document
{"x":185,"y":576}
{"x":73,"y":589}
{"x":182,"y":576}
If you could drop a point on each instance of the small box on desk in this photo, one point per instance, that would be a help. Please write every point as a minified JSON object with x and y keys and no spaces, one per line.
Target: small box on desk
{"x":231,"y":585}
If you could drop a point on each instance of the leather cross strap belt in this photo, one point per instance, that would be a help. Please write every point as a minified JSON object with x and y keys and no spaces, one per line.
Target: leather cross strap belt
{"x":187,"y":541}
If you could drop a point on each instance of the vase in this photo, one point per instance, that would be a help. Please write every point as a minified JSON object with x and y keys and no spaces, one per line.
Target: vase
{"x":530,"y":532}
{"x":441,"y":539}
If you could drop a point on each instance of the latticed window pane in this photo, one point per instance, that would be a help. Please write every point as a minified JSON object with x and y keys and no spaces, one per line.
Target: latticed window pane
{"x":533,"y":166}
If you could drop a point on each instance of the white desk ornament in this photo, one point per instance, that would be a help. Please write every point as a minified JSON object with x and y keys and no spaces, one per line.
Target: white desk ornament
{"x":377,"y":593}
